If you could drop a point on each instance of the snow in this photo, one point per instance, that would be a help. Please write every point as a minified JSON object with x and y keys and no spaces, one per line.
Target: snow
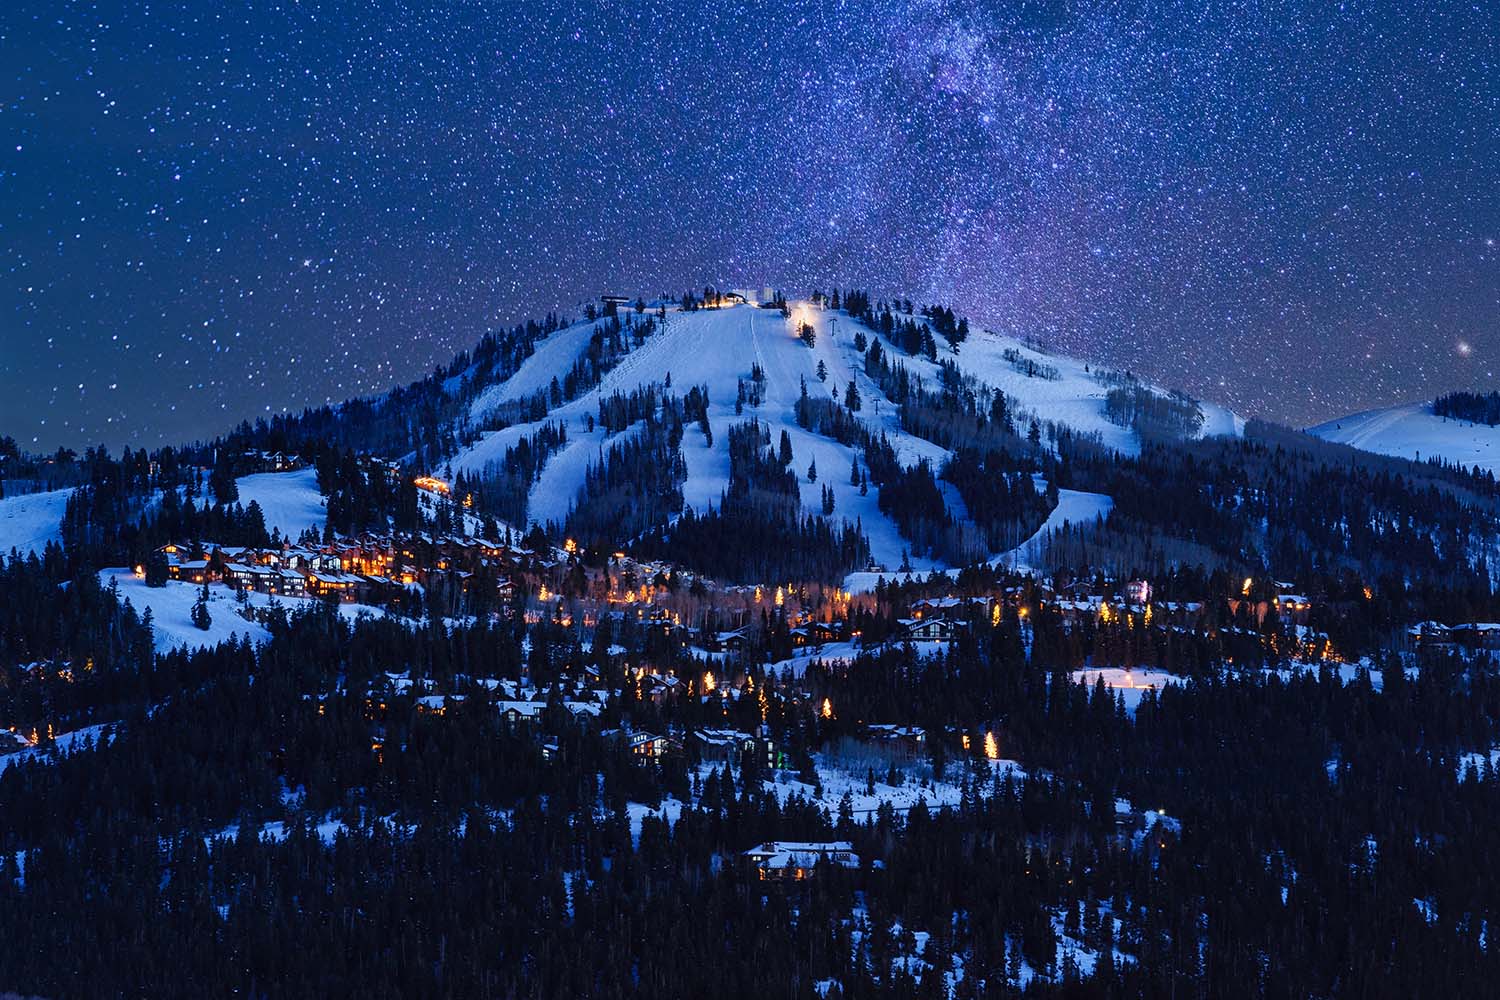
{"x":1414,"y":431}
{"x":172,"y":605}
{"x":276,"y":831}
{"x":713,"y":348}
{"x":851,"y":775}
{"x":718,"y":347}
{"x":290,"y":501}
{"x":1483,"y":762}
{"x":551,"y":359}
{"x":1132,"y":684}
{"x":66,"y":743}
{"x":828,"y":652}
{"x":31,"y":520}
{"x":1074,"y":507}
{"x":669,"y":810}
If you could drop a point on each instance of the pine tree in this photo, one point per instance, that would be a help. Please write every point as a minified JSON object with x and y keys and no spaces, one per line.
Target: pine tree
{"x":199,"y":615}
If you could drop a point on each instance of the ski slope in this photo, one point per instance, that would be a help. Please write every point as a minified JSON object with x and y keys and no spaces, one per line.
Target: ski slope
{"x":551,"y":359}
{"x":1414,"y":431}
{"x":290,"y":501}
{"x":29,"y":521}
{"x":716,"y":348}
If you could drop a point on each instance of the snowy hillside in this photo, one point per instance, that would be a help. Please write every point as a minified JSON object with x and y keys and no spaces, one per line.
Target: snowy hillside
{"x":28,"y":522}
{"x":171,"y":609}
{"x":717,"y":348}
{"x":1414,"y":431}
{"x":290,"y":501}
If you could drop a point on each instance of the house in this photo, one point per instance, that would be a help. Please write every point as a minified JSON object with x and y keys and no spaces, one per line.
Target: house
{"x":906,"y":742}
{"x":1477,"y":635}
{"x":928,"y":629}
{"x":520,"y":714}
{"x":730,"y":746}
{"x":728,"y":642}
{"x":1138,"y":592}
{"x":650,"y":746}
{"x":795,"y":861}
{"x":1432,"y":636}
{"x":1293,"y":608}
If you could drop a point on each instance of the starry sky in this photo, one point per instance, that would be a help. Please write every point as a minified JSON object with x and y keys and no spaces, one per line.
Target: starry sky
{"x":212,"y":211}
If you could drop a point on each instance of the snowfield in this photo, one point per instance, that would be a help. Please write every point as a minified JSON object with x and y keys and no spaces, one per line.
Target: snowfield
{"x":1131,"y":685}
{"x":171,"y":609}
{"x":290,"y":501}
{"x":1415,"y":432}
{"x":29,"y":521}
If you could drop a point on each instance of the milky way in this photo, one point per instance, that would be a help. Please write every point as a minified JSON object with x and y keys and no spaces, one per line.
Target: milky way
{"x":210,"y":212}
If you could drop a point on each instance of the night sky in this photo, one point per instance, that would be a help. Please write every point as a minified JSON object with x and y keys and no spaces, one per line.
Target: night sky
{"x":213,"y":211}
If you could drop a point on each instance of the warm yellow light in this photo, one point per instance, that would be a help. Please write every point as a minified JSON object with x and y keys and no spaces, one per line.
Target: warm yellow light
{"x":780,"y":596}
{"x":1246,"y":588}
{"x":991,"y":748}
{"x":708,"y":681}
{"x":827,"y":711}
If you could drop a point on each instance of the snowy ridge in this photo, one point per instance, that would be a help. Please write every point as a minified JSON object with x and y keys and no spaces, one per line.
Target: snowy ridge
{"x":1414,"y":431}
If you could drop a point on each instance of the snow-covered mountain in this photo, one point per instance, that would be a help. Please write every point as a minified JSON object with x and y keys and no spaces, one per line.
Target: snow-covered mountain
{"x":717,"y":349}
{"x":1414,"y":431}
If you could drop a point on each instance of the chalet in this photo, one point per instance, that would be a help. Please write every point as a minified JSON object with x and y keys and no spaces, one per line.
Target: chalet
{"x":796,"y":861}
{"x":289,"y":582}
{"x":918,"y":629}
{"x":906,"y":742}
{"x":730,"y":746}
{"x":1433,"y":636}
{"x":825,"y":631}
{"x":189,"y":570}
{"x":728,"y":642}
{"x":660,"y":687}
{"x":650,"y":746}
{"x":520,"y":714}
{"x":1477,"y":635}
{"x":332,"y":583}
{"x":1293,"y":607}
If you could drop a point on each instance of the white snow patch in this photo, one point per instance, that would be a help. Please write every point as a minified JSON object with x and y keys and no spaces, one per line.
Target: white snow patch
{"x":29,"y":521}
{"x":290,"y":501}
